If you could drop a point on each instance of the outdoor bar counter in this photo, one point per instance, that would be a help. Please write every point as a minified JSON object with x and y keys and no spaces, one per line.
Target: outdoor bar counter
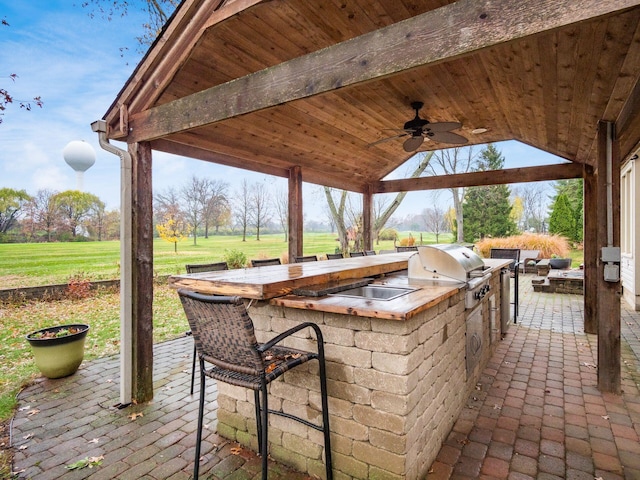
{"x":397,"y":370}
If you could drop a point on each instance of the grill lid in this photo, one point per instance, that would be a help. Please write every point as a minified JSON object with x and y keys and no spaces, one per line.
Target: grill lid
{"x":446,"y":263}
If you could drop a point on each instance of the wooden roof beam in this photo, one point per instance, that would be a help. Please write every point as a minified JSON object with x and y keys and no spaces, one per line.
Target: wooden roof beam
{"x":455,"y":30}
{"x":319,"y":178}
{"x":476,"y":179}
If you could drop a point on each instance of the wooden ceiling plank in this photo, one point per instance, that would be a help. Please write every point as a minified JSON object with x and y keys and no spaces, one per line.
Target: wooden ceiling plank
{"x":587,"y":57}
{"x":388,"y":51}
{"x":548,"y":49}
{"x":235,"y":136}
{"x":475,"y":179}
{"x":533,"y":92}
{"x":627,"y":82}
{"x":567,"y":47}
{"x":500,"y":63}
{"x":179,"y":148}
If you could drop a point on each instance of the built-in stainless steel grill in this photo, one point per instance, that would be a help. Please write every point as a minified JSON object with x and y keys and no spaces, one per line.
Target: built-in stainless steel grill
{"x":451,"y":263}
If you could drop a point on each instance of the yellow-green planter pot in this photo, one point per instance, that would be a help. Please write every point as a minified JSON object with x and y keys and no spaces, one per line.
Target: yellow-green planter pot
{"x":58,"y":351}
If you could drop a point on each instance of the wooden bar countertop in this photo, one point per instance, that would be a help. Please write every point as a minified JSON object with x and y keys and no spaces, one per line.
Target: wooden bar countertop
{"x":426,"y":295}
{"x":263,"y":283}
{"x":276,"y":283}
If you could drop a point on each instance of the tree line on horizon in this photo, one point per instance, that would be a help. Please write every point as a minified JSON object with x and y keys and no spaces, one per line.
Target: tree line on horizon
{"x":205,"y":206}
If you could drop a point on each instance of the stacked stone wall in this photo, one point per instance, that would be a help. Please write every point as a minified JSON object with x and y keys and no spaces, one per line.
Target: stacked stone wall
{"x":395,"y":388}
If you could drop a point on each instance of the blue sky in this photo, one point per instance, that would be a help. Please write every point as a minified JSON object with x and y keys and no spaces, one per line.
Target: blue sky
{"x":75,"y":64}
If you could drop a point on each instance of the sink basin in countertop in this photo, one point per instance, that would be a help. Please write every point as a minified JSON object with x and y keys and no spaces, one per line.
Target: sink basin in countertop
{"x":375,"y":292}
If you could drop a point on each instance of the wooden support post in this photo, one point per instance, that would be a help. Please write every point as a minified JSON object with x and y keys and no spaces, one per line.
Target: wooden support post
{"x":590,"y":251}
{"x":608,"y":294}
{"x":142,"y":274}
{"x":295,"y":213}
{"x":367,"y":214}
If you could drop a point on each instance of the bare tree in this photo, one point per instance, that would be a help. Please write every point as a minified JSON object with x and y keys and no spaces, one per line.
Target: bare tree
{"x":435,"y":220}
{"x":450,"y":161}
{"x":260,"y":208}
{"x":535,"y":204}
{"x":338,"y":213}
{"x":242,"y":207}
{"x":281,"y":207}
{"x":97,"y":221}
{"x":382,"y":211}
{"x":195,"y":195}
{"x":44,"y":213}
{"x":166,"y":203}
{"x":217,"y":211}
{"x":382,"y":219}
{"x":158,"y":12}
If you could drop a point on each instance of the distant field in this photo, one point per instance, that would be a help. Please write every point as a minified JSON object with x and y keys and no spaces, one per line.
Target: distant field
{"x":30,"y":264}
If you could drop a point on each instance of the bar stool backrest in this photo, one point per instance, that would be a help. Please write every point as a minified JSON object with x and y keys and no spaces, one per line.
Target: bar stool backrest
{"x":206,"y":267}
{"x":223,"y":332}
{"x":265,"y":262}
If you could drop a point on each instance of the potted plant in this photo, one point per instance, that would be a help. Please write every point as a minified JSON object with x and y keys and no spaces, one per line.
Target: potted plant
{"x":59,"y":350}
{"x":559,"y":263}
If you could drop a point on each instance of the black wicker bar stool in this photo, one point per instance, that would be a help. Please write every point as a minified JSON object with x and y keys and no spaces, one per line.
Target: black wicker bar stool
{"x":229,"y":352}
{"x":199,"y":268}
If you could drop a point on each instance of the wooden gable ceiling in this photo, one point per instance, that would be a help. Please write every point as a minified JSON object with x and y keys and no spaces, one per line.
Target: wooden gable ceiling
{"x":267,"y":85}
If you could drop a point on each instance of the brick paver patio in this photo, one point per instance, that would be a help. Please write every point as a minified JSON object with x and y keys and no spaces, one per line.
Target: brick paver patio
{"x":536,"y":414}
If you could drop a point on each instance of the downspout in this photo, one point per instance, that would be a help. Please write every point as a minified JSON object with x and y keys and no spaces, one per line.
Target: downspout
{"x":126,"y":323}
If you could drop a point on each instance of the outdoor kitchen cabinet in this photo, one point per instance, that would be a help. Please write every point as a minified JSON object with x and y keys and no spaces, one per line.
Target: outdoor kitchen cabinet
{"x":397,"y":370}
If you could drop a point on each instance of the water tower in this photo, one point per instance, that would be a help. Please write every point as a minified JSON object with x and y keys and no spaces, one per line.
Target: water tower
{"x":80,"y":156}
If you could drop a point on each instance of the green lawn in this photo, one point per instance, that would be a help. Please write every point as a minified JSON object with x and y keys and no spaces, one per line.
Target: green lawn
{"x":30,"y":264}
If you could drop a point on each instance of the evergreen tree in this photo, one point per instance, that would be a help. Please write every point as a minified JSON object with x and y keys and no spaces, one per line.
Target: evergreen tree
{"x":487,"y":210}
{"x":573,"y":190}
{"x":562,"y":220}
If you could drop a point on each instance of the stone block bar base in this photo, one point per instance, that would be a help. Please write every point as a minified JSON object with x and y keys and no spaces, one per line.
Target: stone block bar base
{"x":396,"y":389}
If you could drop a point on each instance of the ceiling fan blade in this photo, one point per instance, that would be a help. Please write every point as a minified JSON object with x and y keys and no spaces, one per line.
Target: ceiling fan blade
{"x":443,"y":126}
{"x":413,"y":143}
{"x":447,"y":137}
{"x":387,"y":139}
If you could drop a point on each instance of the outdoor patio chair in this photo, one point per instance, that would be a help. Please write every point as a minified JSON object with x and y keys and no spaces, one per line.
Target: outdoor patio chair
{"x":514,"y":266}
{"x":369,"y":252}
{"x":265,"y":261}
{"x":356,"y":254}
{"x":206,"y":267}
{"x":198,"y":268}
{"x":407,"y":249}
{"x":334,"y":256}
{"x":229,"y":352}
{"x":306,"y":258}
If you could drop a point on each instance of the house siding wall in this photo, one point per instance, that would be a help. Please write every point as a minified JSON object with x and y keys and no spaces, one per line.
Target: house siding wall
{"x":629,"y":239}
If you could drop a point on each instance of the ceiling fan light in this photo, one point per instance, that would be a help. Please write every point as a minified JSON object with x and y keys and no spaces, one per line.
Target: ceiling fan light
{"x":412,"y":143}
{"x":478,"y":131}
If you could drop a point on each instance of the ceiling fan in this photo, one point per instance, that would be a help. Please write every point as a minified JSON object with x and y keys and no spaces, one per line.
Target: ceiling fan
{"x":418,"y":129}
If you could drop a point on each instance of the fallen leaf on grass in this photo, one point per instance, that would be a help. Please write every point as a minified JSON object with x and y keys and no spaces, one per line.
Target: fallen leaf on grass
{"x":135,"y":415}
{"x":85,"y":462}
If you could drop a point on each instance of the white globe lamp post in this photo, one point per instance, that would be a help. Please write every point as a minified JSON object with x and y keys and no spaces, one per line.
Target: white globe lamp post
{"x":80,"y":156}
